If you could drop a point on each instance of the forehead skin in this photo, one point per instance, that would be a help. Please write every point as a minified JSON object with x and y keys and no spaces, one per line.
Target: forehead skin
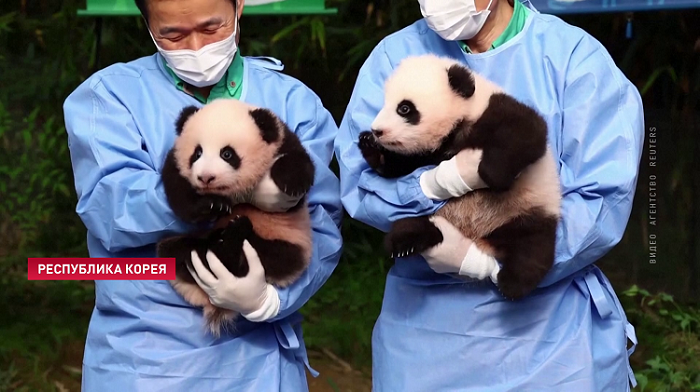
{"x":191,"y":24}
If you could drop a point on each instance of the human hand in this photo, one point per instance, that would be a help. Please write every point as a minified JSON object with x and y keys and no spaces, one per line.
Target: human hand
{"x":454,"y":177}
{"x":251,"y":295}
{"x":267,"y":196}
{"x":458,"y":254}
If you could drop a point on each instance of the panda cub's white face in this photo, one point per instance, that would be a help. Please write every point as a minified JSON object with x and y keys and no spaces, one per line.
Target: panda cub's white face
{"x":214,"y":167}
{"x":221,"y":151}
{"x":420,"y":106}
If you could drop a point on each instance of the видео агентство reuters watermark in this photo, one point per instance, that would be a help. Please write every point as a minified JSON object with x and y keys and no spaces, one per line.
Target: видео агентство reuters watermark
{"x":652,"y":195}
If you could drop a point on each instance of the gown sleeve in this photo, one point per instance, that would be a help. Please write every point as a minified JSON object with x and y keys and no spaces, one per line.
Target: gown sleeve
{"x":121,"y":199}
{"x":366,"y":196}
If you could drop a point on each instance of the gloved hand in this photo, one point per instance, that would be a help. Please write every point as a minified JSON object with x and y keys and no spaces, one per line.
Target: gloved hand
{"x":454,"y":177}
{"x":268,"y":197}
{"x":460,"y":255}
{"x":251,"y":295}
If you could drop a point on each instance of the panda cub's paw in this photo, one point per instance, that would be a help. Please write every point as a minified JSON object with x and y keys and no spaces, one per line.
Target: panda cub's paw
{"x":371,"y":150}
{"x":227,"y":244}
{"x":410,"y":236}
{"x":293,"y":174}
{"x":514,"y":284}
{"x":211,"y":207}
{"x":238,"y":229}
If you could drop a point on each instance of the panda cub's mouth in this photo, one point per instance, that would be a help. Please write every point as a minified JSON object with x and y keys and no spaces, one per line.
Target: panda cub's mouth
{"x":392,"y":145}
{"x":387,"y":143}
{"x":211,"y":189}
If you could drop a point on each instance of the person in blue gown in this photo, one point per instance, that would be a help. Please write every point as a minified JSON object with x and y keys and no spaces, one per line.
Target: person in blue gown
{"x":437,"y":332}
{"x":121,"y":123}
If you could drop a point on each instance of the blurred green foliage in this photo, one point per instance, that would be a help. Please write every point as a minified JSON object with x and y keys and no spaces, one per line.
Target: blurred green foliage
{"x":46,"y":51}
{"x":670,"y":334}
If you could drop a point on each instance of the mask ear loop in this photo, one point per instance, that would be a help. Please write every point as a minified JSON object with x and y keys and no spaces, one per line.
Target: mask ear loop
{"x":148,"y":28}
{"x":236,"y":20}
{"x":488,"y":7}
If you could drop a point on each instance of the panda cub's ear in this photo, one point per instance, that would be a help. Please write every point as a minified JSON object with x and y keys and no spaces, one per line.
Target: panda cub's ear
{"x":185,"y":114}
{"x":461,"y":81}
{"x":267,"y":124}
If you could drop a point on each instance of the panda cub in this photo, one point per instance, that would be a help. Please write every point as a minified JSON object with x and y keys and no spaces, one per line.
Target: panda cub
{"x":222,"y":151}
{"x":452,"y":109}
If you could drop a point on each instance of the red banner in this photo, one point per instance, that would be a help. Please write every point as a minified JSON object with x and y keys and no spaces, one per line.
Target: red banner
{"x":101,"y":269}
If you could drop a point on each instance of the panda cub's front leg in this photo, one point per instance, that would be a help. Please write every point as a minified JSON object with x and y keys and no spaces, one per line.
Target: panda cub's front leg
{"x":372,"y":151}
{"x":293,"y":172}
{"x":386,"y":163}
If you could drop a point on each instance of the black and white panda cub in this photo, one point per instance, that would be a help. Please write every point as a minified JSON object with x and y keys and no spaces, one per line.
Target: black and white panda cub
{"x":434,"y":108}
{"x":222,"y":151}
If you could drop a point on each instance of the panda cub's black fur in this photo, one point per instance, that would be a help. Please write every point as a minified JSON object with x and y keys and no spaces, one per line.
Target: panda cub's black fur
{"x":513,"y":138}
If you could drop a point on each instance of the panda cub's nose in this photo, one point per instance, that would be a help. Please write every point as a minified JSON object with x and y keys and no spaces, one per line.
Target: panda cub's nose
{"x":206,"y":179}
{"x":377,"y":132}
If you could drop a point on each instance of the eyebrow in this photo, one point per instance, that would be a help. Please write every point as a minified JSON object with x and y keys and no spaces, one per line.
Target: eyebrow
{"x":207,"y":23}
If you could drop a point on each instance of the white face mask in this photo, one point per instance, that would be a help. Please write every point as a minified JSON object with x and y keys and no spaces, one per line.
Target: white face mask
{"x":205,"y":66}
{"x":454,"y":20}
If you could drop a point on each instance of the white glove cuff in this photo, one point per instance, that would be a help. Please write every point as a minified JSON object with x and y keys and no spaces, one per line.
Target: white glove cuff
{"x":270,"y":308}
{"x":443,"y":181}
{"x":479,"y":265}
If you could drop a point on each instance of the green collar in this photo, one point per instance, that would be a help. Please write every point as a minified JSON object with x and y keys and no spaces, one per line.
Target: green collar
{"x":228,"y":87}
{"x":517,"y":21}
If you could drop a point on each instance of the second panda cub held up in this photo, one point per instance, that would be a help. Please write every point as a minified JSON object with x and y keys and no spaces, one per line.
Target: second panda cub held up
{"x":514,"y":219}
{"x":223,"y":150}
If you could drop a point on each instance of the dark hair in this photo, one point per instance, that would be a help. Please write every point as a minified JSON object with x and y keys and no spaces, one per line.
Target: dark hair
{"x":141,"y":5}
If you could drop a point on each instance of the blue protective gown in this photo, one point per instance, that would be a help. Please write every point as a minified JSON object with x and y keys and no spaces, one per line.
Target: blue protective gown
{"x":142,"y":335}
{"x":438,"y":333}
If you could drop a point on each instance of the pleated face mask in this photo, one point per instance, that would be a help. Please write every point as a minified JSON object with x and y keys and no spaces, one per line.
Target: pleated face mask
{"x":203,"y":67}
{"x":454,"y":20}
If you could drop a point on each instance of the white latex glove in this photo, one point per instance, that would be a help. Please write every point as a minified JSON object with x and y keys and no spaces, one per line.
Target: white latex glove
{"x":454,"y":177}
{"x":251,"y":296}
{"x":460,"y":255}
{"x":267,"y":196}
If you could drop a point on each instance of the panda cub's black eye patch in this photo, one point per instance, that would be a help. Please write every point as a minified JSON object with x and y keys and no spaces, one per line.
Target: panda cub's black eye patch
{"x":408,"y":111}
{"x":195,"y":155}
{"x":229,"y":155}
